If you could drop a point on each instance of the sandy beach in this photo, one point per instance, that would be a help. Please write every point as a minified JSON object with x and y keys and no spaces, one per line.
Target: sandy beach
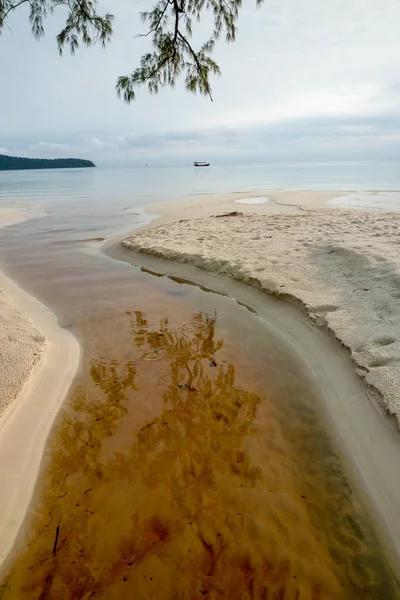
{"x":22,"y":345}
{"x":342,"y":266}
{"x":38,"y":363}
{"x":10,"y":216}
{"x":18,"y":212}
{"x":292,"y":245}
{"x":36,"y":391}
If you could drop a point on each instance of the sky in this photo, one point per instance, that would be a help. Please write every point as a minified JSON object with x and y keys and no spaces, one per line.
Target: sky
{"x":305,"y":81}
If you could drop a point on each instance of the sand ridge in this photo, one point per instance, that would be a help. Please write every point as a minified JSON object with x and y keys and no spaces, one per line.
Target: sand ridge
{"x":343,"y":265}
{"x":21,"y":348}
{"x":38,"y":393}
{"x":21,"y":344}
{"x":11,"y":216}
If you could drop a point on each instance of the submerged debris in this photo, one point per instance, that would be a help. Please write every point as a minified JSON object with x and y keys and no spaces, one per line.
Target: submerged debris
{"x":185,"y":386}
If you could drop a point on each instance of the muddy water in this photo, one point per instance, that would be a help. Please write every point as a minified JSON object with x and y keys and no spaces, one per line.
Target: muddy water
{"x":190,"y":459}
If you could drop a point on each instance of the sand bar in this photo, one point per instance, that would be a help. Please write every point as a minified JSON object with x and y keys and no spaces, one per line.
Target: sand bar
{"x":38,"y":390}
{"x":366,"y":437}
{"x":38,"y":361}
{"x":10,"y":216}
{"x":21,"y":348}
{"x":12,"y":213}
{"x":341,"y":267}
{"x":252,"y":202}
{"x":21,"y":344}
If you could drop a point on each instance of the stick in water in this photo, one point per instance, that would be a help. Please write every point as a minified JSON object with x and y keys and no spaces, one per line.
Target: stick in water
{"x":56,"y":540}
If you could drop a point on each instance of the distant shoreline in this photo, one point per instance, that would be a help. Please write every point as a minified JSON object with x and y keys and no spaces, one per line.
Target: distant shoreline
{"x":17,"y":163}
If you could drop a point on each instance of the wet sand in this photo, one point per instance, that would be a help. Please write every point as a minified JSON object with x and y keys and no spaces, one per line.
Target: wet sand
{"x":22,"y":344}
{"x":325,"y":262}
{"x":366,"y":437}
{"x":342,"y":266}
{"x":182,"y":467}
{"x":22,"y":347}
{"x":9,"y":216}
{"x":191,"y":457}
{"x":26,"y":423}
{"x":38,"y":363}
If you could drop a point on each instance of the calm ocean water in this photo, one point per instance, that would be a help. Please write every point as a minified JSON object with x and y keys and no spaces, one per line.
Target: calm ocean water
{"x":190,"y":424}
{"x":139,"y":186}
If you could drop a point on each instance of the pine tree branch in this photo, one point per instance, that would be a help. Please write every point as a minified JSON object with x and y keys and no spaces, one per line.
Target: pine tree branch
{"x":198,"y":65}
{"x":157,"y":69}
{"x":156,"y":26}
{"x":11,"y":8}
{"x":170,"y":25}
{"x":176,"y":9}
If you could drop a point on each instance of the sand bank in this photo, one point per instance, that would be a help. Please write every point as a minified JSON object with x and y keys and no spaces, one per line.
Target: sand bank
{"x":249,"y":202}
{"x":11,"y":213}
{"x":21,"y":348}
{"x":21,"y":344}
{"x":343,"y":266}
{"x":39,"y":360}
{"x":10,"y":216}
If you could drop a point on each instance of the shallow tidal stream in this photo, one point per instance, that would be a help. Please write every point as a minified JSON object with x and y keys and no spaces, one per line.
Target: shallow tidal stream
{"x":190,"y":459}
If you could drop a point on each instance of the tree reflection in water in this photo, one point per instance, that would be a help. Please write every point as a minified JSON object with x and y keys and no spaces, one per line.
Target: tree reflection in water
{"x":174,"y":507}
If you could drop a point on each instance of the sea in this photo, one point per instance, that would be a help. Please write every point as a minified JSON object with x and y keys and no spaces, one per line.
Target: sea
{"x":191,"y":425}
{"x":369,"y":185}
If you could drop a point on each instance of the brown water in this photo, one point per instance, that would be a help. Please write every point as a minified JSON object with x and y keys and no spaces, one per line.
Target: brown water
{"x":190,"y":459}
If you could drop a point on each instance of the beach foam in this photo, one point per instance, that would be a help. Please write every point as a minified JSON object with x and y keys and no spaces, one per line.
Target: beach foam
{"x":379,"y":200}
{"x":254,"y":200}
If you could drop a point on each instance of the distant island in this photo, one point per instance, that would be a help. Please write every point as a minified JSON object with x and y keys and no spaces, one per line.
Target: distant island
{"x":15,"y":163}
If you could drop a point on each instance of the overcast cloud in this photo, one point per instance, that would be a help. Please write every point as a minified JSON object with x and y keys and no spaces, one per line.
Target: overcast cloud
{"x":305,"y":80}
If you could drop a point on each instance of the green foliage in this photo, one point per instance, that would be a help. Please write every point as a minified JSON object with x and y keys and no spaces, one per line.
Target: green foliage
{"x":83,"y":24}
{"x":15,"y":163}
{"x":170,"y":25}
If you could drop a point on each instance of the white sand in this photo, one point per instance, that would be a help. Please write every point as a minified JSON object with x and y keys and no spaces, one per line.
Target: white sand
{"x":211,"y":204}
{"x":21,"y":344}
{"x":14,"y":212}
{"x":10,"y":216}
{"x":253,"y":200}
{"x":21,"y":347}
{"x":342,"y":265}
{"x":380,"y":200}
{"x":38,"y":361}
{"x":39,"y":393}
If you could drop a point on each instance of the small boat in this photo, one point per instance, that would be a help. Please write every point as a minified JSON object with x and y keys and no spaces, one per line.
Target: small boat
{"x":201,"y":164}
